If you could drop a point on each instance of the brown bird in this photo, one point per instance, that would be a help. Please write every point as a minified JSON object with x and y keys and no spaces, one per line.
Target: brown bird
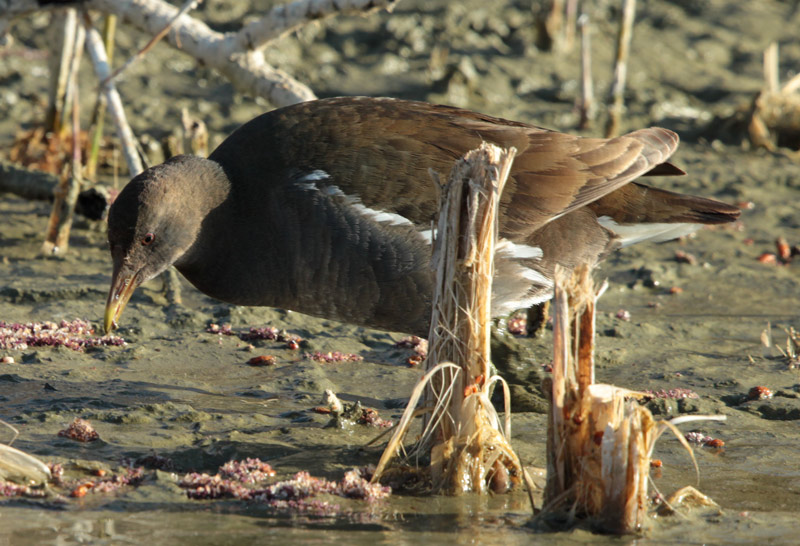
{"x":325,"y":207}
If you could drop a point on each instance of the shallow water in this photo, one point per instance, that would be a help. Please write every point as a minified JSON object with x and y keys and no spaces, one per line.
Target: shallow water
{"x":188,"y":395}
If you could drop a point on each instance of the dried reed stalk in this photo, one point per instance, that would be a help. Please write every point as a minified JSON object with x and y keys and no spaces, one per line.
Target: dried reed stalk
{"x":569,"y":24}
{"x":60,"y":70}
{"x":599,"y":440}
{"x":621,"y":68}
{"x":549,"y":25}
{"x":586,"y":107}
{"x":469,"y":447}
{"x":598,"y":457}
{"x":66,"y":194}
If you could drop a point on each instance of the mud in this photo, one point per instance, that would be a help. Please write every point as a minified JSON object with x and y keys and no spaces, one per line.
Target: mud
{"x":180,"y":392}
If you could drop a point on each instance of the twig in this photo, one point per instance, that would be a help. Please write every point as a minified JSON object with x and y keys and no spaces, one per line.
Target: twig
{"x":621,"y":67}
{"x":187,"y":6}
{"x":286,"y":18}
{"x":13,"y":430}
{"x":194,"y":135}
{"x":94,"y":44}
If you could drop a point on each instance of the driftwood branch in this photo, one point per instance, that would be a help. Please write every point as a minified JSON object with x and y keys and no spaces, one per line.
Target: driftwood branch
{"x":287,"y":18}
{"x":188,"y":6}
{"x":237,"y":55}
{"x":39,"y":185}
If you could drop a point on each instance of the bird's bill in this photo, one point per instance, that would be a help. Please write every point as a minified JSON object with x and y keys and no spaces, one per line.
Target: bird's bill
{"x":122,"y":288}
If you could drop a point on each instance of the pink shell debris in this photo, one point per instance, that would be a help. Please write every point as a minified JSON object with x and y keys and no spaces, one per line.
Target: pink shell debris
{"x":76,"y":335}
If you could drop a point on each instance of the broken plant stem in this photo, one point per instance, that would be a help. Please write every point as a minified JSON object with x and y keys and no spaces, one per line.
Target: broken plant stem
{"x":599,"y":440}
{"x":468,"y":442}
{"x":66,"y":196}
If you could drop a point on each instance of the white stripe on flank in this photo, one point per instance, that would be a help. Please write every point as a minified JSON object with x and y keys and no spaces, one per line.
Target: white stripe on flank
{"x":308,"y":181}
{"x":636,"y":233}
{"x":377,"y":215}
{"x":316,"y":175}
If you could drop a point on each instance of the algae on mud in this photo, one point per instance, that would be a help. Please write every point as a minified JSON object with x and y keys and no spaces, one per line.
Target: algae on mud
{"x":187,"y":394}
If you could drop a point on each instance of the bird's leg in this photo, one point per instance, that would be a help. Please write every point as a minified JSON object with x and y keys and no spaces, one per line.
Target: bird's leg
{"x":537,"y":318}
{"x":172,"y":286}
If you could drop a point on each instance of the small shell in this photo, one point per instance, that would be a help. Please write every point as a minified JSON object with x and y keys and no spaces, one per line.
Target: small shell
{"x":759,"y":393}
{"x":262,"y":360}
{"x":768,"y":258}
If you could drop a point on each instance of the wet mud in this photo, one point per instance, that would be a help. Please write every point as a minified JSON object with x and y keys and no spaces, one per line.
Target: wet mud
{"x":180,"y":392}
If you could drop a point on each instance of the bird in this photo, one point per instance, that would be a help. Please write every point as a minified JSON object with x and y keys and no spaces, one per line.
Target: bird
{"x":325,"y":207}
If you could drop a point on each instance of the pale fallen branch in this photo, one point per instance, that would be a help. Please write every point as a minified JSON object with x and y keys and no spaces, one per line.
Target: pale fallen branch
{"x":236,"y":55}
{"x":287,"y":18}
{"x":187,"y":7}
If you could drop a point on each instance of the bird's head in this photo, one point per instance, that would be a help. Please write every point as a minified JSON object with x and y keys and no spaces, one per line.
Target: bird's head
{"x":155,"y":220}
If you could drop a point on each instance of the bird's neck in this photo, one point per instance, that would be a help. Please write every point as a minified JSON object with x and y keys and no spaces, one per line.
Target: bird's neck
{"x":206,"y":193}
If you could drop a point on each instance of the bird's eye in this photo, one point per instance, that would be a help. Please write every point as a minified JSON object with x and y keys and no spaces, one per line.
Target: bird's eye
{"x":148,"y":239}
